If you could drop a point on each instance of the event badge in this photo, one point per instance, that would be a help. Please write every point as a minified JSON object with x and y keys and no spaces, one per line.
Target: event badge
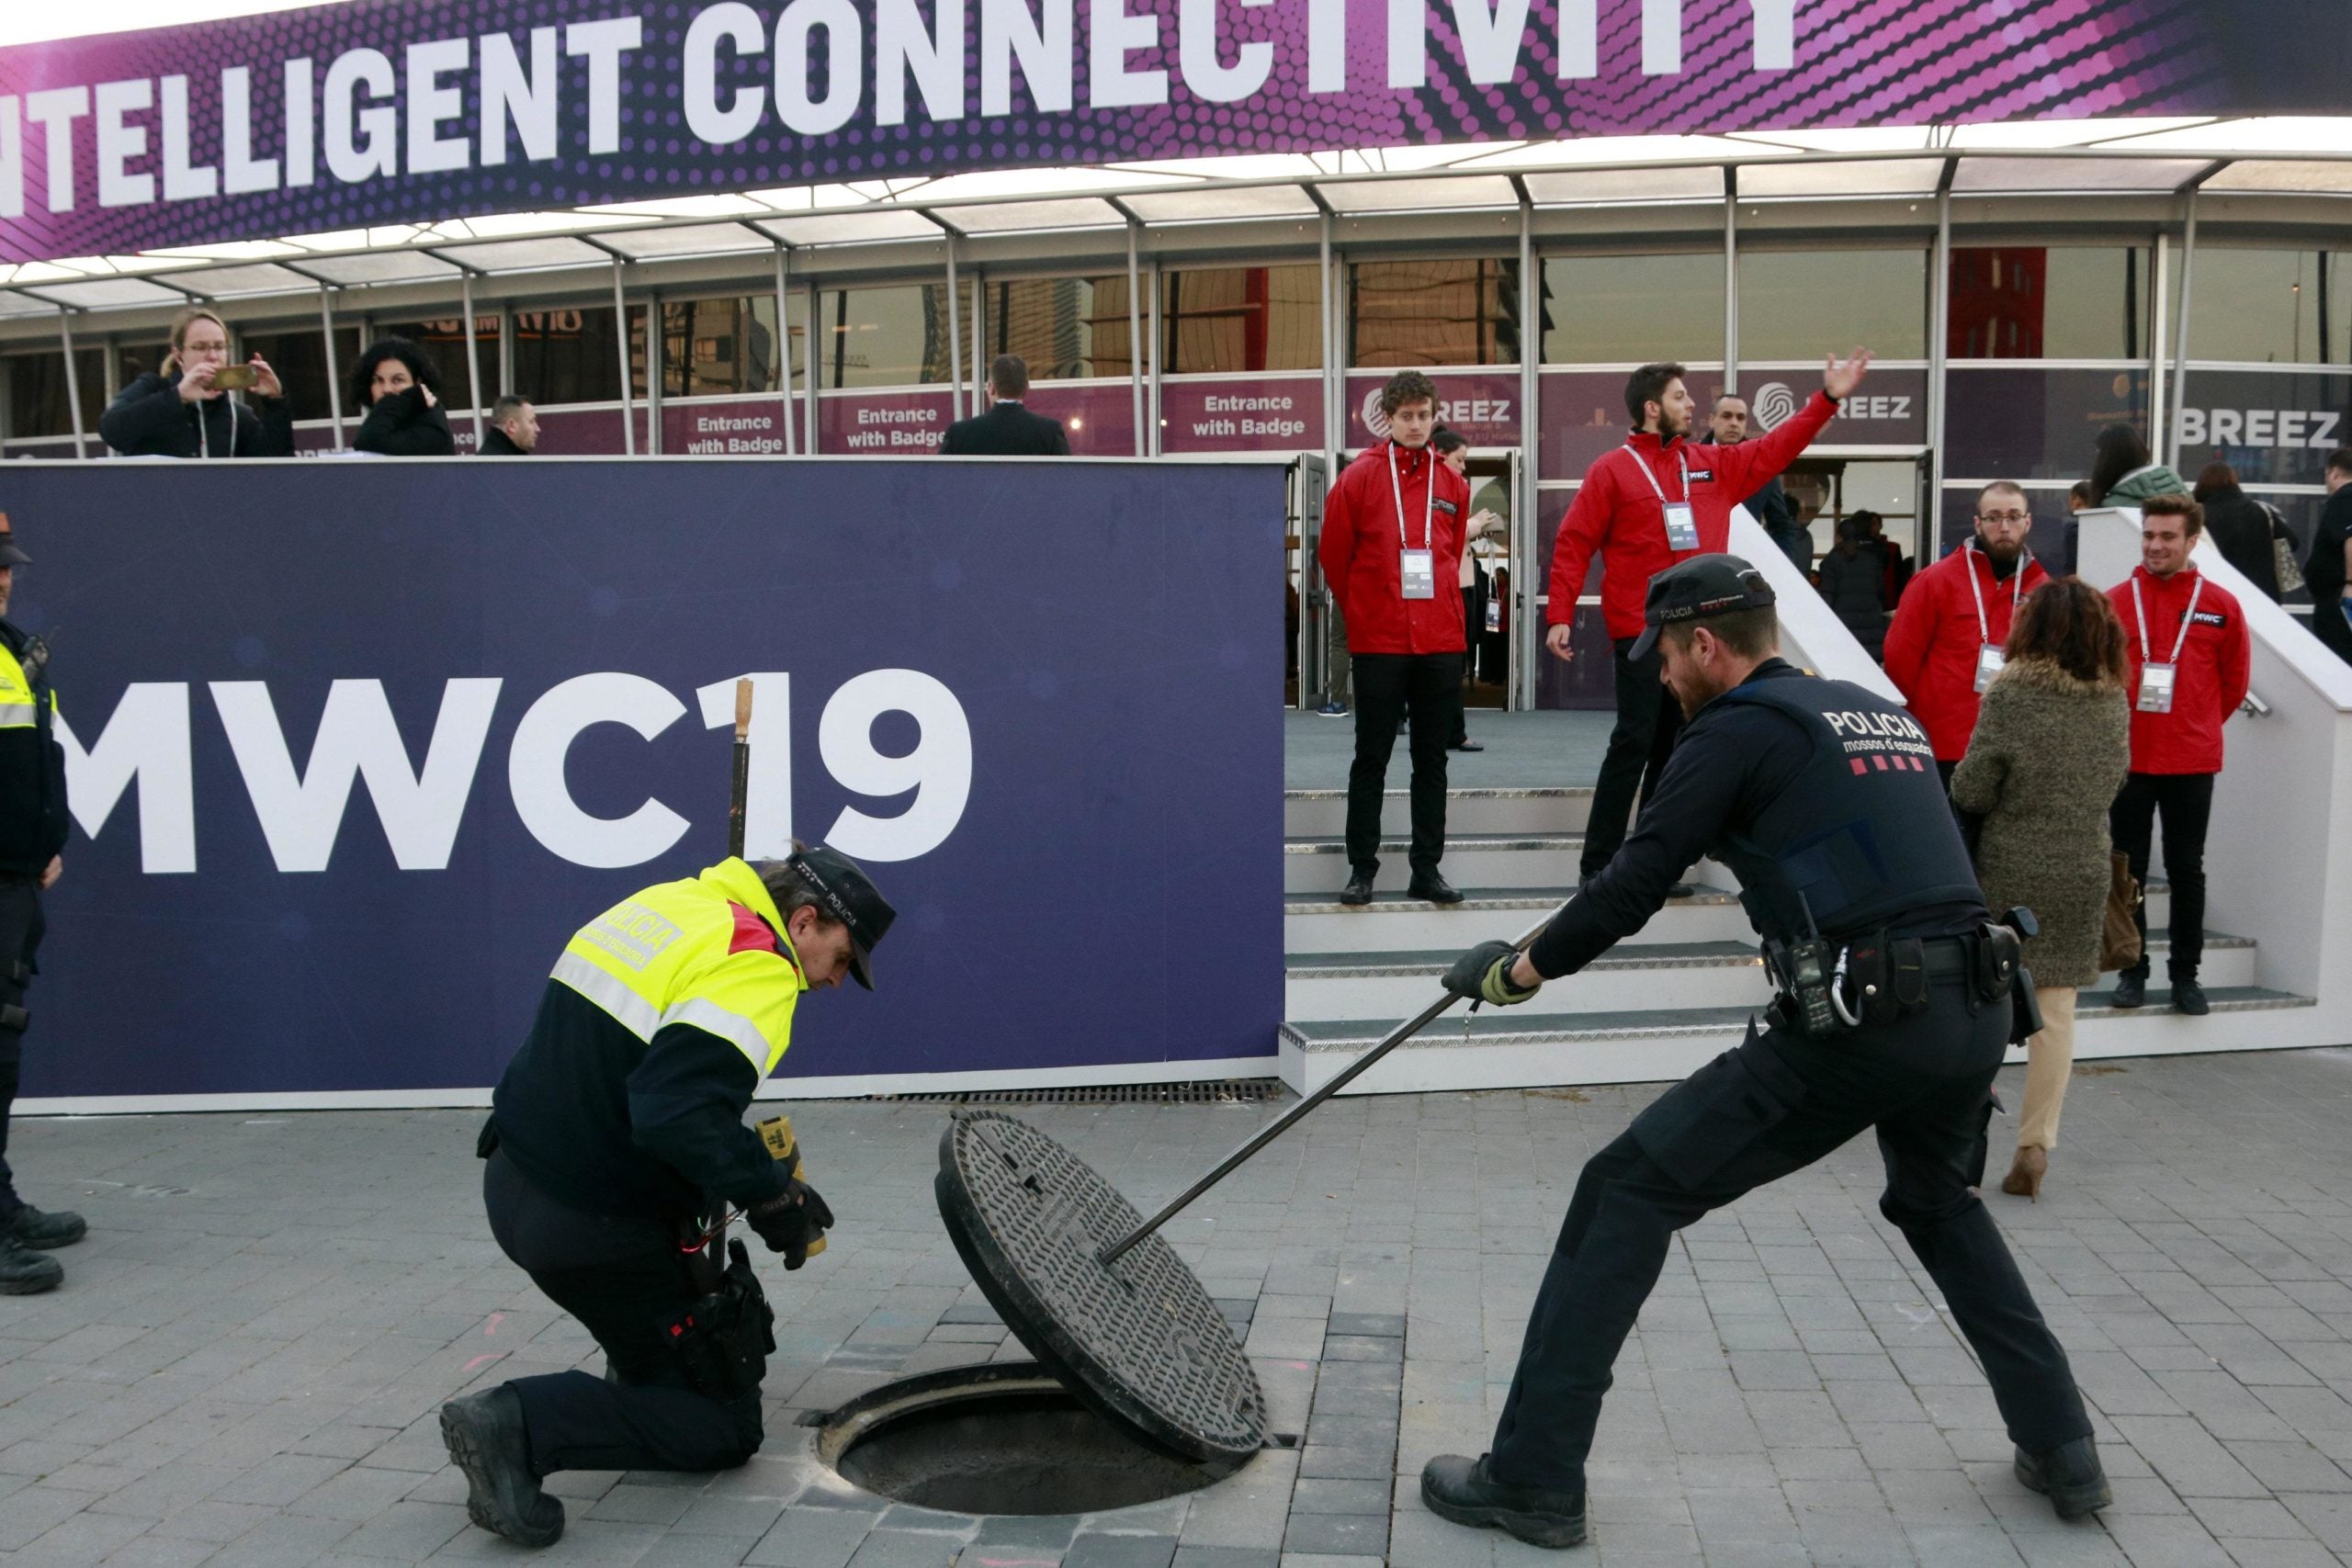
{"x":1681,"y":527}
{"x":2155,"y":687}
{"x":1989,"y":661}
{"x":1418,"y":572}
{"x":1494,"y":612}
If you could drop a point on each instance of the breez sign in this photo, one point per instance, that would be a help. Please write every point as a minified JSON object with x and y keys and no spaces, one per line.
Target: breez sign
{"x":149,"y":740}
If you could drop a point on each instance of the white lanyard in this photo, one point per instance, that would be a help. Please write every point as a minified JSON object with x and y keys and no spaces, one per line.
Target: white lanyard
{"x":1654,"y":488}
{"x":2188,"y":619}
{"x":1429,"y":501}
{"x":2017,"y":590}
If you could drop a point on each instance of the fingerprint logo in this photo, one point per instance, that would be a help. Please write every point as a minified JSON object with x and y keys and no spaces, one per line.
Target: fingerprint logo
{"x":1375,"y":418}
{"x":1774,"y":403}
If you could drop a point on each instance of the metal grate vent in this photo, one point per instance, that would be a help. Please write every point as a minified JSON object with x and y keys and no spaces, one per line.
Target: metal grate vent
{"x":1197,"y":1091}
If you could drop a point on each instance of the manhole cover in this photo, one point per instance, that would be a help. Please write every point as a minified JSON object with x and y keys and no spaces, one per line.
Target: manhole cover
{"x":1139,"y":1340}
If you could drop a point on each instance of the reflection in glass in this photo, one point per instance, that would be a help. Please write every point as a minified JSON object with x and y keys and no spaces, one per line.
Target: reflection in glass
{"x":303,"y":370}
{"x":1632,"y":309}
{"x":568,"y":355}
{"x":711,"y":347}
{"x":1433,"y":312}
{"x":2049,"y":302}
{"x":1064,"y":328}
{"x":1802,"y":304}
{"x":1241,"y":318}
{"x":894,"y":336}
{"x":2273,"y":305}
{"x":37,"y":393}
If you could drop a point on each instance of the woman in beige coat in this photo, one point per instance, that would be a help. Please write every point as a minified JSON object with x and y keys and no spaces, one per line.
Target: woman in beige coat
{"x":2052,"y":744}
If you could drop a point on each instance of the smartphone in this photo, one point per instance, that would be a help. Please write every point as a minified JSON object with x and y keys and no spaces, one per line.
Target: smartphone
{"x":236,"y":377}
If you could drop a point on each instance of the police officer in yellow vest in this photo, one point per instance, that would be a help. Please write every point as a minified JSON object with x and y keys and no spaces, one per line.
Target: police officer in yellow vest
{"x":32,"y":833}
{"x":616,"y":1141}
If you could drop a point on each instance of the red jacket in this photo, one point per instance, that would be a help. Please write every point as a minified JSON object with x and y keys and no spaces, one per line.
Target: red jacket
{"x":1363,"y":555}
{"x":1619,"y":517}
{"x":1930,"y":652}
{"x":2214,"y":665}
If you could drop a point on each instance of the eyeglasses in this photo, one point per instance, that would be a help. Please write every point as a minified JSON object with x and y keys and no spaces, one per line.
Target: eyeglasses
{"x":2004,"y":517}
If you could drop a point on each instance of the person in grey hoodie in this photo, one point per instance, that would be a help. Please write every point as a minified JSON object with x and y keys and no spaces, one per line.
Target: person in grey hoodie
{"x":177,"y":412}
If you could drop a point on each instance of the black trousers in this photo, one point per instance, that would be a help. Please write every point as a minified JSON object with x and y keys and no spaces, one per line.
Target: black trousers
{"x":1387,"y":684}
{"x":2186,"y":801}
{"x":20,"y":932}
{"x":1772,"y":1106}
{"x":2330,"y":626}
{"x":625,"y":1279}
{"x":1648,"y":720}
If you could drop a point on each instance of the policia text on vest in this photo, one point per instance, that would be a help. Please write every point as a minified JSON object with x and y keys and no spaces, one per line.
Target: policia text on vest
{"x":616,"y":1152}
{"x":1824,"y":800}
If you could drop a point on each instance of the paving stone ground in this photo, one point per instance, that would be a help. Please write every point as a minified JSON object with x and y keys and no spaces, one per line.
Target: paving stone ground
{"x":245,"y":1365}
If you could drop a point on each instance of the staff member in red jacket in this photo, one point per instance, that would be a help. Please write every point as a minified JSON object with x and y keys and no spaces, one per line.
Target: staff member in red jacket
{"x":1944,"y":647}
{"x":1391,"y":550}
{"x":1658,"y":501}
{"x":2186,"y":642}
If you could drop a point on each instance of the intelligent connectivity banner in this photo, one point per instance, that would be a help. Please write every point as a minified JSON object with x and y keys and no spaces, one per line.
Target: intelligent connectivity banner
{"x":383,"y":111}
{"x":349,"y":762}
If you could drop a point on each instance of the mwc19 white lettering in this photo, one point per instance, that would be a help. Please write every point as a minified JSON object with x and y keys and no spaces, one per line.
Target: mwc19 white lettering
{"x":451,"y":103}
{"x":301,"y":809}
{"x":2314,"y":429}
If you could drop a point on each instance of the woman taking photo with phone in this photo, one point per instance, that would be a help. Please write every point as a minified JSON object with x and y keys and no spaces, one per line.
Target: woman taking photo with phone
{"x":183,"y":408}
{"x":401,"y":392}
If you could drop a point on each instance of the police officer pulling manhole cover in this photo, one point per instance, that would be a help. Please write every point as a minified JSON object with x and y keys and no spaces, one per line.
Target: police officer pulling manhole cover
{"x":616,"y":1152}
{"x":1897,"y":995}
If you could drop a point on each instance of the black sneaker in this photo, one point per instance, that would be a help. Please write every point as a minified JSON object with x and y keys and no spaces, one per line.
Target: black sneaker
{"x":1469,"y":745}
{"x":42,"y":1231}
{"x":2069,"y":1475}
{"x":24,"y":1272}
{"x":1682,"y":890}
{"x":2131,"y":991}
{"x":1433,"y":886}
{"x":1459,"y":1488}
{"x":484,"y":1435}
{"x":1358,"y":887}
{"x":2188,"y":996}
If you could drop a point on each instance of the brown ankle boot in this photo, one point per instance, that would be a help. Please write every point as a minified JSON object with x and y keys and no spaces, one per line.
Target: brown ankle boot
{"x":2024,"y":1179}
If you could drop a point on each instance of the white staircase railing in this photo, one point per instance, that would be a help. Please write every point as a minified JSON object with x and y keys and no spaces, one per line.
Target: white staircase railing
{"x":2278,"y":856}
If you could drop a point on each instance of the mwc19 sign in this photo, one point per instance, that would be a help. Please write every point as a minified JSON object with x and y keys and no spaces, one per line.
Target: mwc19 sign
{"x":348,"y":765}
{"x":339,"y":117}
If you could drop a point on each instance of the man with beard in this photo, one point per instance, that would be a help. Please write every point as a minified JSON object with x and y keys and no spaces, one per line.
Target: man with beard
{"x":1897,"y":997}
{"x":1944,"y":647}
{"x":1641,"y":510}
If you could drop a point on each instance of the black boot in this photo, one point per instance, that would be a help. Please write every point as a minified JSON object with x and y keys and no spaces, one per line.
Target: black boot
{"x":42,"y":1231}
{"x":24,"y":1272}
{"x":485,"y":1434}
{"x":1432,"y":885}
{"x":1459,"y":1488}
{"x":2069,"y":1475}
{"x":2188,"y":996}
{"x":1358,"y":887}
{"x":2131,"y":991}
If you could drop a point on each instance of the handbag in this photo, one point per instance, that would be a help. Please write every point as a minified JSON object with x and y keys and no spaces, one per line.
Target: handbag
{"x":2282,"y":551}
{"x":2119,"y":946}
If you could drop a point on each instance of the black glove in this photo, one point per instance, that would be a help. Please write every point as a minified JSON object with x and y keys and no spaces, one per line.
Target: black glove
{"x":790,"y":1220}
{"x":1483,"y":974}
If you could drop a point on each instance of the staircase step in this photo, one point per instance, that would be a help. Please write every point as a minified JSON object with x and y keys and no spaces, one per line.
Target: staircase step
{"x":1506,"y":1049}
{"x":1323,"y":813}
{"x":1488,"y":860}
{"x":1630,"y":977}
{"x":1318,"y":923}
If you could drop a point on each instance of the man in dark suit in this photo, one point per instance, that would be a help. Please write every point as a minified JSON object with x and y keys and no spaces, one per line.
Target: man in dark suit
{"x":1008,"y":430}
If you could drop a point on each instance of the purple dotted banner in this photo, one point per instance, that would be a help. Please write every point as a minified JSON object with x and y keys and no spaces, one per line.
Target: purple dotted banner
{"x":381,"y":111}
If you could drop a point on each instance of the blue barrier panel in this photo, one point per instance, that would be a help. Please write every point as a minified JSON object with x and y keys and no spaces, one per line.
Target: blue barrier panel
{"x":357,"y":746}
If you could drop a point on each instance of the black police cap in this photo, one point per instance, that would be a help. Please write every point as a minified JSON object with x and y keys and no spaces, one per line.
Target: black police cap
{"x":9,"y":553}
{"x":843,"y":893}
{"x":1695,"y":589}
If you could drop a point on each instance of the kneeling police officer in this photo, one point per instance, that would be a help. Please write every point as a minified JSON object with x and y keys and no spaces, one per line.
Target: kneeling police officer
{"x":616,"y":1146}
{"x":1897,"y":997}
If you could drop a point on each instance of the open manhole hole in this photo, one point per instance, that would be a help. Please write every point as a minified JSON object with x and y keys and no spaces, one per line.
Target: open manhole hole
{"x":1004,"y":1438}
